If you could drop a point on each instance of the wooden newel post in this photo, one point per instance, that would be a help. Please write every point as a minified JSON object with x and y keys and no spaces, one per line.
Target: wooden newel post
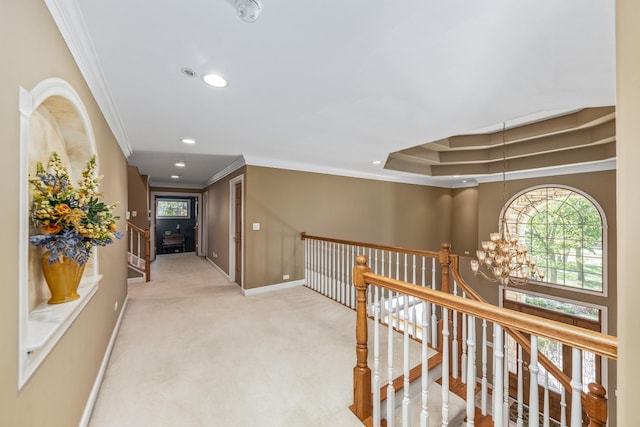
{"x":596,"y":405}
{"x":445,"y":261}
{"x":361,"y":372}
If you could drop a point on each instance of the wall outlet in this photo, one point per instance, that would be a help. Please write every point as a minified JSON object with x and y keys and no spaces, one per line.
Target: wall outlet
{"x":285,"y":277}
{"x":214,"y":254}
{"x":466,"y":252}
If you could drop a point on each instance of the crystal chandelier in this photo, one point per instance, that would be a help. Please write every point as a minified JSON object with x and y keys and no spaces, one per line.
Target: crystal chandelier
{"x":502,"y":256}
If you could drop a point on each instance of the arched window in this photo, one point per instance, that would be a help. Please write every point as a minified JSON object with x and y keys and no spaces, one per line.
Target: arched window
{"x":564,"y":230}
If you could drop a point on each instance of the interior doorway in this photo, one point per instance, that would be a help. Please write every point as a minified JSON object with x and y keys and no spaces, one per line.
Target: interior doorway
{"x":236,"y":227}
{"x":184,"y":219}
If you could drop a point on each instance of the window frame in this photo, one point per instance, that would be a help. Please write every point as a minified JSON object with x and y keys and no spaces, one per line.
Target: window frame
{"x":167,"y":199}
{"x":605,"y":238}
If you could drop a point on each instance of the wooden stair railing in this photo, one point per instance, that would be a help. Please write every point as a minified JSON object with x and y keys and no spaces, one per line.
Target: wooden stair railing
{"x":139,"y":249}
{"x":524,"y":341}
{"x":595,"y":403}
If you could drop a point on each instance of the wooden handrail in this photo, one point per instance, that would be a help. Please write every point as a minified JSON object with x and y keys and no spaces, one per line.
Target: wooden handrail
{"x":428,"y":254}
{"x":136,"y":228}
{"x":584,"y":339}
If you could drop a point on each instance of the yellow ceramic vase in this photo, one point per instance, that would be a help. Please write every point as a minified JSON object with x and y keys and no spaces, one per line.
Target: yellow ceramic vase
{"x":63,"y":278}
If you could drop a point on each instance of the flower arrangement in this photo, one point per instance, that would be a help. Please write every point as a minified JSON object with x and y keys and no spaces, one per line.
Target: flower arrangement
{"x":72,"y":220}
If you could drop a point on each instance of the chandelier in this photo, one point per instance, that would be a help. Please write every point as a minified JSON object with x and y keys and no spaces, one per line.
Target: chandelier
{"x":505,"y":259}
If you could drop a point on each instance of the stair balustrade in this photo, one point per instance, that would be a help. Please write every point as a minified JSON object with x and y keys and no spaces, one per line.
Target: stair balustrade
{"x":139,"y":250}
{"x":406,"y":295}
{"x":503,"y":319}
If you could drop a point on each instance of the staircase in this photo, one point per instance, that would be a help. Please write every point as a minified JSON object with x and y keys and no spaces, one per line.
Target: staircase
{"x":138,"y":251}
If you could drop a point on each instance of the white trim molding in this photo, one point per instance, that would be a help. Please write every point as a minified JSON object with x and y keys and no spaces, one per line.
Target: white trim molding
{"x":68,"y":17}
{"x":88,"y":409}
{"x":272,"y":288}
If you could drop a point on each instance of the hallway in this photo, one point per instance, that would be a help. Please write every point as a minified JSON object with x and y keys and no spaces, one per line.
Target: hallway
{"x":192,"y":351}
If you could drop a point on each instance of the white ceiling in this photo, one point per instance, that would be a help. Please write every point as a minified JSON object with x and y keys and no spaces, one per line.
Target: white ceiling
{"x":330,"y":85}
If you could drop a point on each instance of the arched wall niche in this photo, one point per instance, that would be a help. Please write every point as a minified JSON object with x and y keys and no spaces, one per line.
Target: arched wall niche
{"x":52,"y":119}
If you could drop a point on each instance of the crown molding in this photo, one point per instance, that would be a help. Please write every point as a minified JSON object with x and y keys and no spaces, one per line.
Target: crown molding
{"x":226,"y":171}
{"x":71,"y":24}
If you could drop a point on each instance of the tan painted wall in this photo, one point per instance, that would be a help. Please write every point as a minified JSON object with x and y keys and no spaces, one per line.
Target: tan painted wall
{"x":218,"y":220}
{"x":138,"y":197}
{"x":286,"y":203}
{"x":628,"y":176}
{"x":464,"y":221}
{"x":56,"y":394}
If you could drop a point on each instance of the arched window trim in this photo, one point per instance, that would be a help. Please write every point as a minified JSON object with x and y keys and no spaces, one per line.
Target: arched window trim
{"x":605,"y":237}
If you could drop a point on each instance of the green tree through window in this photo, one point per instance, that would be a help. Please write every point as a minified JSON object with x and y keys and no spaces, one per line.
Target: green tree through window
{"x":564,"y":231}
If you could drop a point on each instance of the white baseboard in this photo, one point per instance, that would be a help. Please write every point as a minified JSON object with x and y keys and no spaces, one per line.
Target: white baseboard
{"x":88,"y":409}
{"x":133,"y":280}
{"x":271,"y":288}
{"x":226,"y":276}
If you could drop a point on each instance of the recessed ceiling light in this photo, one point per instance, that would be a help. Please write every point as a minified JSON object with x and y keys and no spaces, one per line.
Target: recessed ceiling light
{"x":377,"y":162}
{"x":188,"y":140}
{"x":456,"y":176}
{"x":180,"y":164}
{"x":214,"y":80}
{"x":175,"y":176}
{"x":464,"y":180}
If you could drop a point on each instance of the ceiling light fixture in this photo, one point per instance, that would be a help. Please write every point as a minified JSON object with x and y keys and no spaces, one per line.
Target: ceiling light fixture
{"x":214,"y":80}
{"x":188,"y":140}
{"x":180,"y":164}
{"x":502,"y":256}
{"x":377,"y":162}
{"x":248,"y":10}
{"x":175,"y":176}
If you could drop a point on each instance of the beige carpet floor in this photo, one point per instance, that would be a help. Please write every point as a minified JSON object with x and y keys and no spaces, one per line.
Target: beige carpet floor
{"x":193,"y":351}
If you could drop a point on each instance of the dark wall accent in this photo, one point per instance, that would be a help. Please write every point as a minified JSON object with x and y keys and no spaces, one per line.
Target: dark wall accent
{"x":186,"y":226}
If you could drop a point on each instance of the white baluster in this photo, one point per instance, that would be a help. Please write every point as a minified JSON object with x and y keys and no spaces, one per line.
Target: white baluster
{"x":505,"y":379}
{"x":391,"y":400}
{"x":406,"y":400}
{"x":463,"y":360}
{"x":376,"y":359}
{"x":139,"y":241}
{"x":576,"y":387}
{"x":563,"y":407}
{"x":398,"y":293}
{"x":454,"y":344}
{"x":332,"y":289}
{"x":424,"y":413}
{"x":434,"y":320}
{"x":498,"y":414}
{"x":445,"y":367}
{"x":383,"y":311}
{"x":413,"y":321}
{"x":484,"y":390}
{"x":369,"y":290}
{"x":545,"y":413}
{"x":353,"y":288}
{"x":520,"y":422}
{"x":471,"y":372}
{"x":342,"y":268}
{"x":534,"y":405}
{"x":323,"y":289}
